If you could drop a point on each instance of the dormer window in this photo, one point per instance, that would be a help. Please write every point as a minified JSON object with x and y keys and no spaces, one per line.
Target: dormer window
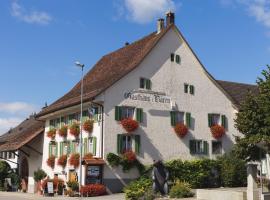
{"x":145,"y":83}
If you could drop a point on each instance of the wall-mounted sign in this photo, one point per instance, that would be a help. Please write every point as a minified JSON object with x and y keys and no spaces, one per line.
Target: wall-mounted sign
{"x":50,"y":187}
{"x":148,"y":97}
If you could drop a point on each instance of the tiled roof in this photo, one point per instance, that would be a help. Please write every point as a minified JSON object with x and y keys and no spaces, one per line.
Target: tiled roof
{"x":109,"y":69}
{"x":20,"y":135}
{"x":238,"y":91}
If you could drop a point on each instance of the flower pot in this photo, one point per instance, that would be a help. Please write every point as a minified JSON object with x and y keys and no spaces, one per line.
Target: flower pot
{"x":217,"y":131}
{"x":181,"y":130}
{"x":129,"y":124}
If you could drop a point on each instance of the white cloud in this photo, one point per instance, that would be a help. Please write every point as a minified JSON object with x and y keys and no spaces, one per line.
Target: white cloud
{"x":7,"y":123}
{"x":17,"y":108}
{"x":144,"y":11}
{"x":31,"y":17}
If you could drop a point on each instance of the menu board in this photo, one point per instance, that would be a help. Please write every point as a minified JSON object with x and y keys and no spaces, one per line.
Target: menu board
{"x":50,"y":187}
{"x":93,"y":171}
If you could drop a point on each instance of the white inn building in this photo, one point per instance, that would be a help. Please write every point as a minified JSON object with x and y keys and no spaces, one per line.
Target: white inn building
{"x":157,"y":81}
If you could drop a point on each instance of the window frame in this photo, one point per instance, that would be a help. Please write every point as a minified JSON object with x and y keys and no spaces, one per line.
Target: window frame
{"x":219,"y":151}
{"x":126,"y":109}
{"x":127,"y":145}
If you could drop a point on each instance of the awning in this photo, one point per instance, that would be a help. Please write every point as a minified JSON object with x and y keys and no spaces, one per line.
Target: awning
{"x":94,"y":161}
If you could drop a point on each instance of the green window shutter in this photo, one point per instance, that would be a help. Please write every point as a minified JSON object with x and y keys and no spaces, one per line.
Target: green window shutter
{"x":210,"y":120}
{"x":205,"y":147}
{"x":173,"y":118}
{"x":191,"y":89}
{"x":172,"y":57}
{"x":192,"y":146}
{"x":50,"y":149}
{"x":177,"y":59}
{"x":186,"y":88}
{"x":139,"y":114}
{"x":223,"y":121}
{"x":119,"y":143}
{"x":94,"y":146}
{"x":56,"y":149}
{"x":61,"y":148}
{"x":137,"y":144}
{"x":148,"y":84}
{"x":188,"y":119}
{"x":117,"y":113}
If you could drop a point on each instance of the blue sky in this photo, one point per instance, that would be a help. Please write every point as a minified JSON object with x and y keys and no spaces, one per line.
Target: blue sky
{"x":40,"y":40}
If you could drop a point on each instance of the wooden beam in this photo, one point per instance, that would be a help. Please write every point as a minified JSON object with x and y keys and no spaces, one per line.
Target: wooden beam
{"x":27,"y":154}
{"x":28,"y":146}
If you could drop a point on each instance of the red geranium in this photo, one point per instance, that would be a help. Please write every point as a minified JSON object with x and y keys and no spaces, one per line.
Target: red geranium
{"x":88,"y":156}
{"x":51,"y":133}
{"x":62,"y":161}
{"x":129,"y":124}
{"x":130,"y":156}
{"x":88,"y":125}
{"x":63,"y":131}
{"x":51,"y":161}
{"x":74,"y":160}
{"x":93,"y":190}
{"x":217,"y":131}
{"x":74,"y":129}
{"x":181,"y":129}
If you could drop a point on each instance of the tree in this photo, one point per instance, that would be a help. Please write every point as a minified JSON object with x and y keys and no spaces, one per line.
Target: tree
{"x":253,"y":120}
{"x":4,"y":171}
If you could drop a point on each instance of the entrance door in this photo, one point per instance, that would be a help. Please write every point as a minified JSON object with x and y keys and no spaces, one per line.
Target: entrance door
{"x":24,"y":171}
{"x":93,"y":174}
{"x":72,"y":175}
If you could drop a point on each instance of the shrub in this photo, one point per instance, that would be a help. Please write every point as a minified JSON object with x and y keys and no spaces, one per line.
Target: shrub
{"x":51,"y":161}
{"x":181,"y":190}
{"x":62,"y":161}
{"x":217,"y":131}
{"x":181,"y":130}
{"x":129,"y":124}
{"x":93,"y":190}
{"x":63,"y":131}
{"x":88,"y":125}
{"x":233,"y":171}
{"x":138,"y":188}
{"x":113,"y":159}
{"x":74,"y":129}
{"x":4,"y":170}
{"x":39,"y":175}
{"x":74,"y":159}
{"x":15,"y":179}
{"x":74,"y":185}
{"x":51,"y":133}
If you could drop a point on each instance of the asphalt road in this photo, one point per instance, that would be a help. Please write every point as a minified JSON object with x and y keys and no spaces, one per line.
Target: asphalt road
{"x":25,"y":196}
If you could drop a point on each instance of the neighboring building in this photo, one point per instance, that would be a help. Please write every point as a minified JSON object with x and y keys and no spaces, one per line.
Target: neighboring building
{"x":25,"y":142}
{"x":157,"y":80}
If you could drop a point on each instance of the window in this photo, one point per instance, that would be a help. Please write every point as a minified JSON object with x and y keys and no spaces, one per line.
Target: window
{"x":127,"y":112}
{"x":91,"y":145}
{"x":63,"y":121}
{"x":145,"y":83}
{"x":216,"y":147}
{"x":178,"y":117}
{"x":128,"y":143}
{"x":57,"y":123}
{"x":191,"y":89}
{"x":186,"y":88}
{"x":10,"y":155}
{"x":198,"y":147}
{"x":177,"y":59}
{"x":213,"y":119}
{"x":172,"y":57}
{"x":64,"y":148}
{"x":71,"y":118}
{"x":52,"y":123}
{"x":53,"y":149}
{"x":74,"y":147}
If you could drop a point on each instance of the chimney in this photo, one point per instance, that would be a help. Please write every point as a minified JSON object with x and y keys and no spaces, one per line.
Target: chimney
{"x":169,"y":18}
{"x":160,"y":25}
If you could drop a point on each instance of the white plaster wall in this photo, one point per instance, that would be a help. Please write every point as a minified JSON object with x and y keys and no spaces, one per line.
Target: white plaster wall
{"x":12,"y":162}
{"x":58,"y":169}
{"x":158,"y":140}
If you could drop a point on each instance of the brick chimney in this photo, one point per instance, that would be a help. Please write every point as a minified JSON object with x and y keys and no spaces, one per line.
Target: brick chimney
{"x":160,"y":25}
{"x":169,"y":18}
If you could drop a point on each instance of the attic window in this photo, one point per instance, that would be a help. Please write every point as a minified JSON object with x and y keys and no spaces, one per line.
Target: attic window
{"x":145,"y":83}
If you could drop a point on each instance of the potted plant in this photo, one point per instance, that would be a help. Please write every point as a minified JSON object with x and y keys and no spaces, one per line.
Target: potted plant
{"x":88,"y":156}
{"x":74,"y":160}
{"x":88,"y":125}
{"x":74,"y":129}
{"x":129,"y":124}
{"x":217,"y":131}
{"x":63,"y":131}
{"x":51,"y":161}
{"x":51,"y":133}
{"x":62,"y":161}
{"x":38,"y":176}
{"x":129,"y":156}
{"x":181,"y":129}
{"x":73,"y":187}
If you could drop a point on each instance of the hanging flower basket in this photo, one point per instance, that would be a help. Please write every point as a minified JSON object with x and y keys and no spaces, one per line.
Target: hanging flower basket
{"x":51,"y":161}
{"x":51,"y":133}
{"x":88,"y":156}
{"x":217,"y":131}
{"x":129,"y":124}
{"x":74,"y":129}
{"x":74,"y":160}
{"x":181,"y":129}
{"x":62,"y":161}
{"x":130,"y":156}
{"x":88,"y":126}
{"x":63,"y":131}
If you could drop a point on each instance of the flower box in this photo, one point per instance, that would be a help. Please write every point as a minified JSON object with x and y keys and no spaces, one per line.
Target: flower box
{"x":51,"y":161}
{"x":88,"y":126}
{"x":74,"y":129}
{"x":92,"y":190}
{"x":74,"y":160}
{"x":129,"y":124}
{"x":62,"y":161}
{"x":51,"y":133}
{"x":63,"y":131}
{"x":129,"y":156}
{"x":217,"y":131}
{"x":181,"y":129}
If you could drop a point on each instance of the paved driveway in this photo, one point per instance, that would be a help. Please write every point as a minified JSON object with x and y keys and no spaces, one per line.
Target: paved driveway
{"x":25,"y":196}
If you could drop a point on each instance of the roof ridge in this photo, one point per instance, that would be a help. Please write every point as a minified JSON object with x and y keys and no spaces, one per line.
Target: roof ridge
{"x":249,"y":84}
